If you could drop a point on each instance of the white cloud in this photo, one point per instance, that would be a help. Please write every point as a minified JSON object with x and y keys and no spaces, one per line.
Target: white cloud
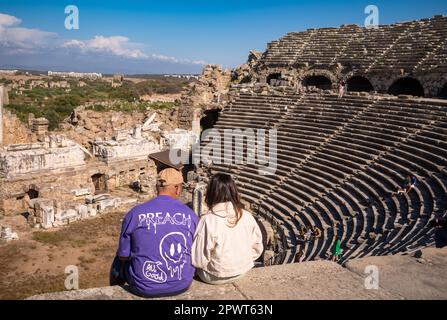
{"x":116,"y":45}
{"x":21,"y":39}
{"x":15,"y":39}
{"x":122,"y":47}
{"x":8,"y":21}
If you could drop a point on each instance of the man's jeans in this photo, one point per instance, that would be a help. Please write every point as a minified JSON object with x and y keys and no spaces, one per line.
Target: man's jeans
{"x":118,"y":272}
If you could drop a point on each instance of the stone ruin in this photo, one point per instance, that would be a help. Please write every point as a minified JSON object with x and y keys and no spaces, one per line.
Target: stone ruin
{"x":341,"y":159}
{"x":6,"y":234}
{"x":54,"y":154}
{"x":55,"y":180}
{"x":125,"y":146}
{"x":402,"y":58}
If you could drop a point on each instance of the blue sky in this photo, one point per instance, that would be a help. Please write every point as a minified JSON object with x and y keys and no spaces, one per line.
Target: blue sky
{"x":171,"y":36}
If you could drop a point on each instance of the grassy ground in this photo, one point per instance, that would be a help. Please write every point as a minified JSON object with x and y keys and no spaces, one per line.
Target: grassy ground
{"x":36,"y":264}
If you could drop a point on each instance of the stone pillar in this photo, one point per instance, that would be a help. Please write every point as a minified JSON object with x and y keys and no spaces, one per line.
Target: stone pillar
{"x":196,"y":122}
{"x":137,"y":132}
{"x":198,"y":200}
{"x":40,"y":127}
{"x":30,"y":120}
{"x":2,"y":92}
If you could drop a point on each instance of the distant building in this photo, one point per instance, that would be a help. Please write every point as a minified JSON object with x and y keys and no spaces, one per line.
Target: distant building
{"x":92,"y":75}
{"x":182,"y":76}
{"x":9,"y":71}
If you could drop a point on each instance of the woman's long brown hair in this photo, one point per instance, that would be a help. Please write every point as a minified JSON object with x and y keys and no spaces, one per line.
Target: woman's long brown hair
{"x":223,"y":189}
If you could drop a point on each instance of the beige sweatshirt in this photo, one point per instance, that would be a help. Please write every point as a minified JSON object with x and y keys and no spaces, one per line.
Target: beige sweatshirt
{"x":225,"y":251}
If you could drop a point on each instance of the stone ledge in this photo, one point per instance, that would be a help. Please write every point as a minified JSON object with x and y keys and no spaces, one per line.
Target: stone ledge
{"x":420,"y":277}
{"x":310,"y":280}
{"x":423,"y":276}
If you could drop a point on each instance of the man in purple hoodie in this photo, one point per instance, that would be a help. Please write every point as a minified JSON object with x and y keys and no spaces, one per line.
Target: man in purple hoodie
{"x":154,"y":253}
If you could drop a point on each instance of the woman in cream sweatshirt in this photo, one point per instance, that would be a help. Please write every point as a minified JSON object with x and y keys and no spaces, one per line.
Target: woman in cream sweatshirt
{"x":228,"y":239}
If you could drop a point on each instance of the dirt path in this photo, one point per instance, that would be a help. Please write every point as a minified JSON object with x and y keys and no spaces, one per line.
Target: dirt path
{"x":36,"y":262}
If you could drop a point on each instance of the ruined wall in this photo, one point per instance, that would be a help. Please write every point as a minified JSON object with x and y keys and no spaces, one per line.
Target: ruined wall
{"x":24,"y":159}
{"x":14,"y":131}
{"x":70,"y":187}
{"x":91,"y":124}
{"x":128,"y":149}
{"x":210,"y":89}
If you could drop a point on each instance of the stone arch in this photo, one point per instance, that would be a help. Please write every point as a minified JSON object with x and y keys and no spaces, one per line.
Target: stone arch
{"x":408,"y":86}
{"x":320,"y":78}
{"x":359,"y":84}
{"x":443,"y":92}
{"x":99,"y":182}
{"x":32,"y":193}
{"x":319,"y":81}
{"x":273,"y":77}
{"x":209,"y":118}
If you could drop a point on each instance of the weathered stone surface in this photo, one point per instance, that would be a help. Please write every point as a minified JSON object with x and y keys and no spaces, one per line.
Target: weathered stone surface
{"x":125,"y":147}
{"x":22,"y":159}
{"x":408,"y":276}
{"x":7,"y":235}
{"x":313,"y":280}
{"x":400,"y":277}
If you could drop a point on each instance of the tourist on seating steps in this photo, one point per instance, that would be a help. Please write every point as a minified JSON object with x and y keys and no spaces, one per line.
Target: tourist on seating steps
{"x":316,"y":232}
{"x":303,"y":232}
{"x":337,"y":249}
{"x":308,"y":235}
{"x":154,"y":253}
{"x":228,"y":239}
{"x":299,"y":256}
{"x":341,"y":89}
{"x":409,"y":183}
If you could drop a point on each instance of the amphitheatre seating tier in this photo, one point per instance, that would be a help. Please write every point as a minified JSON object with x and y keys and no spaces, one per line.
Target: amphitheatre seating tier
{"x":416,"y":46}
{"x":340,"y":162}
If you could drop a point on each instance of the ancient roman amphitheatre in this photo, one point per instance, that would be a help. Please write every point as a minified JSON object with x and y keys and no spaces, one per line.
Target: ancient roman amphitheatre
{"x":341,"y":159}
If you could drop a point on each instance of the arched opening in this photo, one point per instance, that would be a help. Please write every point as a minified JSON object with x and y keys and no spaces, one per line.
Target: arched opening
{"x":407,"y":86}
{"x":32,"y":193}
{"x":99,"y":182}
{"x":443,"y":92}
{"x":321,"y":82}
{"x":359,"y":84}
{"x":209,"y":119}
{"x":273,"y":78}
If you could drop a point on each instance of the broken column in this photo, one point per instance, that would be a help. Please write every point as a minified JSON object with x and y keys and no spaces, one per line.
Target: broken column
{"x":40,"y":127}
{"x":137,"y":132}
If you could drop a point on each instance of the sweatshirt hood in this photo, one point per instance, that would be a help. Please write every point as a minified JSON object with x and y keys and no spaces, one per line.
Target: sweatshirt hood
{"x":223,"y":209}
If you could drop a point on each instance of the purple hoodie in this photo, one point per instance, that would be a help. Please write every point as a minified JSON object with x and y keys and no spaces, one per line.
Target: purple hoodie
{"x":157,"y":236}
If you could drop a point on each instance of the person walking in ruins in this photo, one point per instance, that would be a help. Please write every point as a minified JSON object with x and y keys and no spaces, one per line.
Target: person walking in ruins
{"x":228,"y":239}
{"x":299,"y":257}
{"x":154,"y":253}
{"x":337,"y":249}
{"x":341,"y":89}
